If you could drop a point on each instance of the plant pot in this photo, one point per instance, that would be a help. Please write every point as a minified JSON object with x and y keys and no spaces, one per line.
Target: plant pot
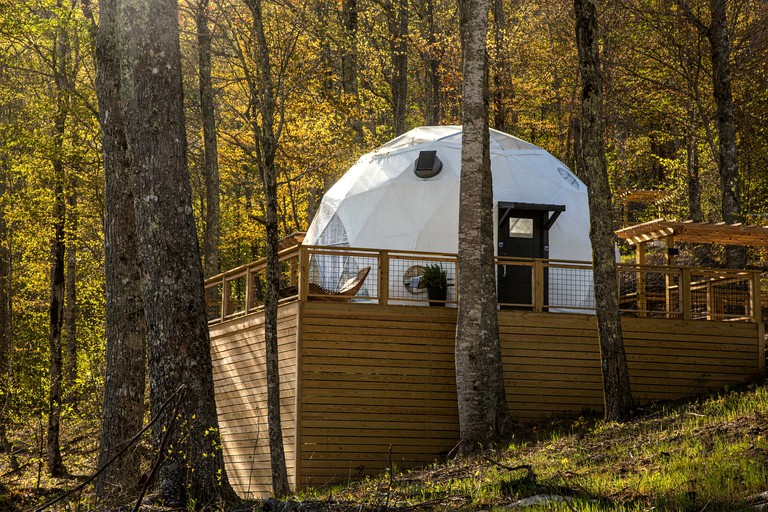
{"x":436,"y":294}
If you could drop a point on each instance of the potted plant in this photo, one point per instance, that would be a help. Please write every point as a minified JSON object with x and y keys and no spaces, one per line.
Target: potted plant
{"x":435,"y":280}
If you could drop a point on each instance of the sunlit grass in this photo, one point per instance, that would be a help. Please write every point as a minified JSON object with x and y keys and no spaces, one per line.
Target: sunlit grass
{"x":702,"y":455}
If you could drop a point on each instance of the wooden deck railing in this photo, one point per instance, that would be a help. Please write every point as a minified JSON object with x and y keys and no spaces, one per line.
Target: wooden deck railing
{"x":539,"y":285}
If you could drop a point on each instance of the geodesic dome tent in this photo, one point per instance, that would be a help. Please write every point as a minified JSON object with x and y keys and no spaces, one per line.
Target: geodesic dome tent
{"x":383,"y":203}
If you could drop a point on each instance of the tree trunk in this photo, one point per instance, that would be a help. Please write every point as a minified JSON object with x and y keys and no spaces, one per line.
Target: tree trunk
{"x":349,"y":64}
{"x":56,"y":306}
{"x":398,"y":30}
{"x":122,"y":412}
{"x":616,"y":387}
{"x":266,"y":140}
{"x":694,"y":184}
{"x":169,"y":256}
{"x":210,"y":145}
{"x":6,"y":337}
{"x":501,"y":67}
{"x":70,"y":370}
{"x":483,"y":416}
{"x":720,"y":51}
{"x":431,"y":64}
{"x":56,"y":321}
{"x":720,"y":41}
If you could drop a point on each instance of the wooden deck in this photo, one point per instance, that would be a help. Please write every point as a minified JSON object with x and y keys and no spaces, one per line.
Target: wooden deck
{"x":357,"y":378}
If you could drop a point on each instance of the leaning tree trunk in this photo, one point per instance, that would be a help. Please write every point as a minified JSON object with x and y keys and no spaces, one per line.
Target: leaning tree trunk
{"x":616,"y":387}
{"x":122,"y":411}
{"x":192,"y":468}
{"x":483,"y":416}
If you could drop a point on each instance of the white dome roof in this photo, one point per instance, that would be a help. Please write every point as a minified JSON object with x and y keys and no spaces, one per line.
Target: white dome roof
{"x":381,"y":203}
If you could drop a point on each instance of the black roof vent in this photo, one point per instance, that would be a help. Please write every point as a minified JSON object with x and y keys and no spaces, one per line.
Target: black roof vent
{"x":428,"y":165}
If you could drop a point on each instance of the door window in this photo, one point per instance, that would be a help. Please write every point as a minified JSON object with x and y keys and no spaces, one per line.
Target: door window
{"x":520,"y":227}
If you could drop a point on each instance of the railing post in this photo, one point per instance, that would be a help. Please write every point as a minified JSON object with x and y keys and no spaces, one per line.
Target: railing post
{"x":224,"y":298}
{"x":248,"y":289}
{"x":685,"y":293}
{"x":303,"y":273}
{"x":292,"y":272}
{"x":642,"y":305}
{"x":711,"y":303}
{"x":383,"y":285}
{"x":538,"y":285}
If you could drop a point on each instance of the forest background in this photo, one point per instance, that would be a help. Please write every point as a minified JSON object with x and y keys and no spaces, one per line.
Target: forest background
{"x":349,"y":75}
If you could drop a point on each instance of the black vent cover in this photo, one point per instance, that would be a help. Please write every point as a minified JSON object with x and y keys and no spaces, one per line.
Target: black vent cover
{"x":428,"y":165}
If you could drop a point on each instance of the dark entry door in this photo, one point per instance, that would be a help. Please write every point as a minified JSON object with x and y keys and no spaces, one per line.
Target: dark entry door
{"x":522,"y":234}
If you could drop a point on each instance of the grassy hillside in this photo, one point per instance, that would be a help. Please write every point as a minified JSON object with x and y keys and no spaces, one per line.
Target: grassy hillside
{"x":708,"y":454}
{"x":702,"y":455}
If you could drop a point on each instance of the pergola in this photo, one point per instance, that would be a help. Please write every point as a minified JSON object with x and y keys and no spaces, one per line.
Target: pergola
{"x":671,"y":231}
{"x":656,"y":197}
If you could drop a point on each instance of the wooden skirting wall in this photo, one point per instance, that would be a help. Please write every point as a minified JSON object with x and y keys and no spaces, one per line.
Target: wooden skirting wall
{"x":373,"y":377}
{"x":240,"y":379}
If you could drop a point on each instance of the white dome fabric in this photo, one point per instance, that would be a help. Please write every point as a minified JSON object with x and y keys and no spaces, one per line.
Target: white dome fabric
{"x":380,"y":203}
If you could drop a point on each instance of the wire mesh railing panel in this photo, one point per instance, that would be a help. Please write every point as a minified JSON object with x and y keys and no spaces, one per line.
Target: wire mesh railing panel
{"x":340,"y":272}
{"x":650,"y":291}
{"x":721,"y":295}
{"x":408,"y":279}
{"x":568,"y":287}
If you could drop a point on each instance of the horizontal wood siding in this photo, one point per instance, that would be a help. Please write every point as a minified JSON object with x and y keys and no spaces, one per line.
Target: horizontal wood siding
{"x":552,"y":361}
{"x":239,"y":372}
{"x":365,"y":378}
{"x":374,"y":376}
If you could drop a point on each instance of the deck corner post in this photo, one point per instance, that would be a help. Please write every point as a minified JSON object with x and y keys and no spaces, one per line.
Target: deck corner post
{"x":383,"y":286}
{"x":303,"y":273}
{"x":685,"y":293}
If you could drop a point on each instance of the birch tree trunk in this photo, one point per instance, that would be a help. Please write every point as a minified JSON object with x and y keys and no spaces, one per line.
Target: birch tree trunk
{"x":483,"y":416}
{"x":169,"y":256}
{"x":616,"y":387}
{"x":122,"y":412}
